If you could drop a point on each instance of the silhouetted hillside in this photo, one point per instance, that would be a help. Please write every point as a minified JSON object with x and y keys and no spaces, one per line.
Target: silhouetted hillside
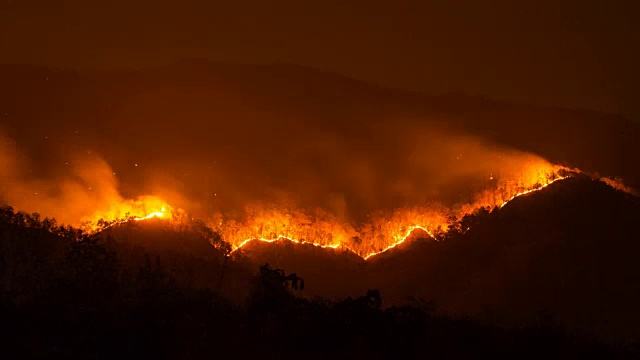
{"x":186,"y":254}
{"x":330,"y":273}
{"x":566,"y":253}
{"x":90,"y":301}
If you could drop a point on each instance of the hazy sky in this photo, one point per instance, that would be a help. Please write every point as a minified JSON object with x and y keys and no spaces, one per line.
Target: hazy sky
{"x":567,"y":53}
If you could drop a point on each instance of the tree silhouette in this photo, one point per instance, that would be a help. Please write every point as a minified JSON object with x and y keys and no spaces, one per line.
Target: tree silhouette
{"x":294,"y":280}
{"x":373,"y":299}
{"x":68,"y":295}
{"x":91,"y":267}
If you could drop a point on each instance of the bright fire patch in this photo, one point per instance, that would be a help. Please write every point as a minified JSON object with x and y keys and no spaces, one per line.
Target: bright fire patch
{"x":321,"y":229}
{"x":142,"y":208}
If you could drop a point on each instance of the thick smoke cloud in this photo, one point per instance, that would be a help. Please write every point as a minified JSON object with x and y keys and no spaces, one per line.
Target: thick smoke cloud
{"x":82,"y":190}
{"x":214,"y":143}
{"x":89,"y":184}
{"x":214,"y":138}
{"x":394,"y":164}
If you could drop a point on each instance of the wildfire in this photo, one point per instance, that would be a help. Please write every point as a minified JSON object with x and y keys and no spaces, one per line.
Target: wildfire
{"x":619,"y":185}
{"x":409,"y":232}
{"x":385,"y":231}
{"x":382,"y":233}
{"x":533,"y":190}
{"x":152,"y":215}
{"x":285,"y":238}
{"x":122,"y":211}
{"x":269,"y":225}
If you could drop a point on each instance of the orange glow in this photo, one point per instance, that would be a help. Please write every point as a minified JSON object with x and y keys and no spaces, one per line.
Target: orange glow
{"x":382,"y":233}
{"x":618,"y":185}
{"x":398,"y":242}
{"x":270,"y":225}
{"x":376,"y":237}
{"x":534,"y":189}
{"x":536,"y":176}
{"x":142,"y":208}
{"x":323,"y":230}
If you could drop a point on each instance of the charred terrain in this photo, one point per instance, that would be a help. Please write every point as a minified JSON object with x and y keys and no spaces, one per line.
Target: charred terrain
{"x":279,"y":211}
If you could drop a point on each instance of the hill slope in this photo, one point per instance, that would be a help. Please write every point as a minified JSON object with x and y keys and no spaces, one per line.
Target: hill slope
{"x":567,"y":253}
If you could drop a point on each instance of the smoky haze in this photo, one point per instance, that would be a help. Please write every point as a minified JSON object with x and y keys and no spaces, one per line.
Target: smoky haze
{"x":209,"y":148}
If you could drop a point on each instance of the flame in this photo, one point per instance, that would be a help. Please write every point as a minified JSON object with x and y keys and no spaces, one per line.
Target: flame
{"x":269,"y":225}
{"x":152,"y":215}
{"x":333,"y":246}
{"x":538,"y":175}
{"x":385,"y":231}
{"x":618,"y":185}
{"x":533,"y":190}
{"x":119,"y":212}
{"x":323,"y":230}
{"x":382,"y":233}
{"x":405,"y":237}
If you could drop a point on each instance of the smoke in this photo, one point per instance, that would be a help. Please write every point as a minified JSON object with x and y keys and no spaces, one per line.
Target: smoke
{"x":85,"y":189}
{"x":389,"y":165}
{"x":402,"y":165}
{"x":214,"y":147}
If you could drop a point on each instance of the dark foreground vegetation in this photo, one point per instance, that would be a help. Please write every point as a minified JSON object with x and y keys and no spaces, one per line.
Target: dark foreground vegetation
{"x":66,"y":295}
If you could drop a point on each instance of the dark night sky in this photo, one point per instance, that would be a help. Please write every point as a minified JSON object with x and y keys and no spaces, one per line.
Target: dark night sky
{"x":568,"y":53}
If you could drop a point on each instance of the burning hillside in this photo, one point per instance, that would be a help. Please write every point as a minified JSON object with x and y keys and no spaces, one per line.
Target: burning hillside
{"x":459,"y":175}
{"x":384,"y":230}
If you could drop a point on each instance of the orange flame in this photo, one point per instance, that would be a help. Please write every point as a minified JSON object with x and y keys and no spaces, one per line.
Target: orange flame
{"x":618,"y":185}
{"x":384,"y":232}
{"x":142,"y":208}
{"x":321,"y":229}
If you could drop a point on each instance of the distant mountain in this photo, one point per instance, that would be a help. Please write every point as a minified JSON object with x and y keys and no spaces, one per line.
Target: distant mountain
{"x":195,"y":107}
